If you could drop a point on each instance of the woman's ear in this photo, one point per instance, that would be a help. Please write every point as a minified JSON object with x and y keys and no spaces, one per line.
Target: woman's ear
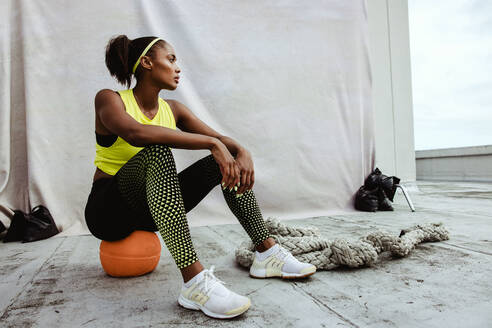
{"x":146,"y":62}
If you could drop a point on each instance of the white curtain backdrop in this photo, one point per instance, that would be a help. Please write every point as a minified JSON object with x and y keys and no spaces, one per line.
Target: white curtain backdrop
{"x":288,"y":80}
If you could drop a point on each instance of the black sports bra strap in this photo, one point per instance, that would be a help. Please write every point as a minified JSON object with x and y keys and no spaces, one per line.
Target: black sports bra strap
{"x":106,"y":140}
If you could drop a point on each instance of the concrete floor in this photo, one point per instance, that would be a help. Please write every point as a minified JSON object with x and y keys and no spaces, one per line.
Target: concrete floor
{"x":59,"y":282}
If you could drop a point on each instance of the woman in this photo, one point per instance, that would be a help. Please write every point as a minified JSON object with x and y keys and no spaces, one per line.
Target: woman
{"x":136,"y":185}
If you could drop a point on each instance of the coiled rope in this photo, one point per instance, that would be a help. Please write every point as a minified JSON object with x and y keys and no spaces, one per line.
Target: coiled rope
{"x":306,"y":244}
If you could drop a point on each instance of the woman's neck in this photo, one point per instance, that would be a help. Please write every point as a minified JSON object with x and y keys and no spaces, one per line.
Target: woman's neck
{"x":147,"y":96}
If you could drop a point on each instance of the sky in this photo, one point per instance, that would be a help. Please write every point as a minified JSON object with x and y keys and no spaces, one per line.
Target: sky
{"x":451,"y":63}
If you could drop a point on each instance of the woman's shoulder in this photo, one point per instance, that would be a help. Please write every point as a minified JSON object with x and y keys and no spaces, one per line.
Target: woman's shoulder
{"x":171,"y":104}
{"x":105,"y":94}
{"x":168,"y":101}
{"x":108,"y":97}
{"x":174,"y":104}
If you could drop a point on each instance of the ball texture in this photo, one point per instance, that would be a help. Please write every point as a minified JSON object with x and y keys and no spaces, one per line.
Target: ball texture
{"x":135,"y":255}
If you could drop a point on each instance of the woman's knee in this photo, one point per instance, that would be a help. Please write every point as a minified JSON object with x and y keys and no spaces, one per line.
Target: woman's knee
{"x":158,"y":151}
{"x":158,"y":148}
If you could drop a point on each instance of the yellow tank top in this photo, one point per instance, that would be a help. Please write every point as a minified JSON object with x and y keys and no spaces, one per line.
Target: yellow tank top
{"x":111,"y":159}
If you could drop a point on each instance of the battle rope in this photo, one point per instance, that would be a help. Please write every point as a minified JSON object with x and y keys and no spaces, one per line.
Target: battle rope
{"x":306,"y":244}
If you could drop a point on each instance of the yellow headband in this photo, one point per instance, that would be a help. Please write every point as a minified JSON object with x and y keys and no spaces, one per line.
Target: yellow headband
{"x":144,"y":52}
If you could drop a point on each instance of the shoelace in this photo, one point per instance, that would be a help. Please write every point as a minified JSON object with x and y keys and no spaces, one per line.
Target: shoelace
{"x":285,"y":254}
{"x":210,"y":278}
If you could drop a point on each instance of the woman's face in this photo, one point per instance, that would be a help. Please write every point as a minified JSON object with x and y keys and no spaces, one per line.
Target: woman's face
{"x":165,"y":71}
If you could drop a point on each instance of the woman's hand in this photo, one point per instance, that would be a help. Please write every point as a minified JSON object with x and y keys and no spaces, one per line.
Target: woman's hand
{"x":228,"y":167}
{"x":247,"y":171}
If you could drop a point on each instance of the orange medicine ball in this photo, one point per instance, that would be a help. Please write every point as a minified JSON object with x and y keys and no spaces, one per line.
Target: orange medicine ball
{"x":135,"y":255}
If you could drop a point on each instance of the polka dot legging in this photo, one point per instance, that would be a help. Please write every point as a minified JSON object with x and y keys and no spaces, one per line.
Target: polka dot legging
{"x":151,"y":185}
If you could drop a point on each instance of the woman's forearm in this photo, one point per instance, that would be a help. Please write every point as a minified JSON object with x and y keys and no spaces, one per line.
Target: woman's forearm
{"x":153,"y":134}
{"x":231,"y":144}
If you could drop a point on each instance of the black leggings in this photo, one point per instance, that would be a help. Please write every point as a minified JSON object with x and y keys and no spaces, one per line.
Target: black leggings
{"x":148,"y":194}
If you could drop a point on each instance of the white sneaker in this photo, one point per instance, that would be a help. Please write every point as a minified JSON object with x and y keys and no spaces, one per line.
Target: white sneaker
{"x":209,"y":295}
{"x":279,"y":263}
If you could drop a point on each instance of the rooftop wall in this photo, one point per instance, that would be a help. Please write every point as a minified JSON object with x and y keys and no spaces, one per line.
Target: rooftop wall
{"x":455,"y":164}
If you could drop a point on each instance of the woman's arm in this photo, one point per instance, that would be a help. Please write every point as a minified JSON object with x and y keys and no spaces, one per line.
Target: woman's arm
{"x":111,"y":111}
{"x":189,"y":122}
{"x":231,"y":144}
